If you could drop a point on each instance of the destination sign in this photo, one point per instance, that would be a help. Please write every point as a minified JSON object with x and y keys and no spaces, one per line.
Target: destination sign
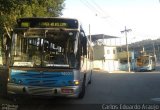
{"x":47,"y":23}
{"x":44,"y":24}
{"x":53,"y":24}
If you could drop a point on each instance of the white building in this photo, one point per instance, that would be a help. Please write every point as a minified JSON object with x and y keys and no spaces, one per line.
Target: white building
{"x":105,"y":55}
{"x":105,"y":58}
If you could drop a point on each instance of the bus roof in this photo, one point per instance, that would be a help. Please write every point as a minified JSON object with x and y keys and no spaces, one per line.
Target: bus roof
{"x":29,"y":18}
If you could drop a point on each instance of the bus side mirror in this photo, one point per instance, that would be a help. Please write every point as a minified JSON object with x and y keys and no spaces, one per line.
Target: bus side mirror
{"x":84,"y":45}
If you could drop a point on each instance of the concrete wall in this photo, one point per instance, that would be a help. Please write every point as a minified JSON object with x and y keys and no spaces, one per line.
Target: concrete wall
{"x":111,"y":65}
{"x":98,"y":52}
{"x":107,"y":65}
{"x":110,"y":53}
{"x":105,"y":58}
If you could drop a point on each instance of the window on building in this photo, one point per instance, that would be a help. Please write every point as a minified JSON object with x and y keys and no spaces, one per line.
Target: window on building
{"x":114,"y":51}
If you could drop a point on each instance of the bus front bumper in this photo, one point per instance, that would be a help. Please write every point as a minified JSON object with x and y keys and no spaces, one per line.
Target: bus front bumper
{"x":68,"y":91}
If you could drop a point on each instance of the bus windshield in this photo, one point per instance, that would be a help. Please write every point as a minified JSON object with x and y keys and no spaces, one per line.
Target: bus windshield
{"x":143,"y":61}
{"x":39,"y":48}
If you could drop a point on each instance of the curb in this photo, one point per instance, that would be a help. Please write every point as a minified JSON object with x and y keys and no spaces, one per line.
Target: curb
{"x":121,"y":72}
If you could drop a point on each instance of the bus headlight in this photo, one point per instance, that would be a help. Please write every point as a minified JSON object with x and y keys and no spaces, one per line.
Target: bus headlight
{"x":76,"y":82}
{"x":8,"y":79}
{"x":9,"y":76}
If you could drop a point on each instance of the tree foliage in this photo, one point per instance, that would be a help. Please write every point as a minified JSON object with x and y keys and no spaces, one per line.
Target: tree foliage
{"x":10,"y":10}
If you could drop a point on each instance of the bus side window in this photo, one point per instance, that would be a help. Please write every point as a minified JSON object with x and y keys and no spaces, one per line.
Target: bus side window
{"x":83,"y":43}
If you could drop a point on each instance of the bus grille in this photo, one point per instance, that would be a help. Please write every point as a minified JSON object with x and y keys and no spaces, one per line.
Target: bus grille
{"x":40,"y":91}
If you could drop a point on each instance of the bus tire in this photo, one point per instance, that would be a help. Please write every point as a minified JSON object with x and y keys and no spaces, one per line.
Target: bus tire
{"x":90,"y":80}
{"x":83,"y":90}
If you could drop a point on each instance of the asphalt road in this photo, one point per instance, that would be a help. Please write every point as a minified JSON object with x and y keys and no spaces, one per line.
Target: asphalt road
{"x":106,"y":88}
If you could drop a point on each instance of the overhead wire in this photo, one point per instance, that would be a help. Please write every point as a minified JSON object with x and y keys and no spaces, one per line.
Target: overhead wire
{"x":106,"y":15}
{"x":99,"y":11}
{"x":91,"y":7}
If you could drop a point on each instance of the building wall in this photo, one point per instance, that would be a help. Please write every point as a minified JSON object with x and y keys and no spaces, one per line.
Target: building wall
{"x":98,"y":52}
{"x":98,"y":64}
{"x":110,"y":53}
{"x":111,"y":65}
{"x":107,"y":65}
{"x":105,"y":58}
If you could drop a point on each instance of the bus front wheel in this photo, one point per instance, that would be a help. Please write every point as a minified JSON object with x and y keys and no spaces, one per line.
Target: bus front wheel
{"x":83,"y":90}
{"x":90,"y":80}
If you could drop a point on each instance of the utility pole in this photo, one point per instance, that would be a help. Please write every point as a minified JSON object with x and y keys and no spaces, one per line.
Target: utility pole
{"x":90,"y":32}
{"x":154,"y":51}
{"x":127,"y":51}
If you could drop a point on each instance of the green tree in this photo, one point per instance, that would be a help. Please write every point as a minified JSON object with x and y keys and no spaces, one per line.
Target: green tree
{"x":10,"y":10}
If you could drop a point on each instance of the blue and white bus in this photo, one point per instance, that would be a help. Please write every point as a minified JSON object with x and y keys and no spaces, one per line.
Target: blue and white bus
{"x":49,"y":57}
{"x":146,"y":63}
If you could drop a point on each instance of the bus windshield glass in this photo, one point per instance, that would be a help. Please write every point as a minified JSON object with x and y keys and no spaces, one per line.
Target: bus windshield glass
{"x":143,"y":61}
{"x":41,"y":48}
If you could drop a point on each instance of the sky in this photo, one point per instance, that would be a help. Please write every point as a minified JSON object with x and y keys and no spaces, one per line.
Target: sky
{"x":111,"y":16}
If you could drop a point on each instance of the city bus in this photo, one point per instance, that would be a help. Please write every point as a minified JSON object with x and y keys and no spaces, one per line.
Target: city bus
{"x":146,"y":63}
{"x":49,"y":57}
